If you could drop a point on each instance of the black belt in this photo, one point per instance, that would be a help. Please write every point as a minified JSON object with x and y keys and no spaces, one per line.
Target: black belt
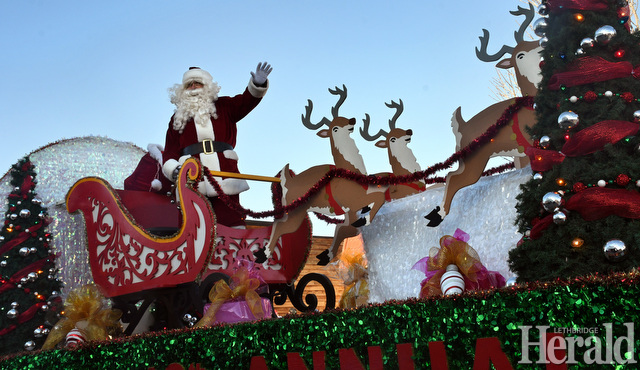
{"x":207,"y":147}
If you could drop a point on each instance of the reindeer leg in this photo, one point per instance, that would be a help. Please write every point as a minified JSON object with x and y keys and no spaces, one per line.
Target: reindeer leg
{"x":287,"y":224}
{"x":342,"y":232}
{"x":434,"y":217}
{"x":521,"y":162}
{"x":467,"y":173}
{"x":363,"y":216}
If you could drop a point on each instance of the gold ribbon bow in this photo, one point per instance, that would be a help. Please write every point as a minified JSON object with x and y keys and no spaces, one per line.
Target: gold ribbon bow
{"x":451,"y":251}
{"x":352,"y":268}
{"x":242,"y":286}
{"x":86,"y":304}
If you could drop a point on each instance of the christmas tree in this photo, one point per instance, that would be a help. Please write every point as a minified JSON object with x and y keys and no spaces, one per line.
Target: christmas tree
{"x":29,"y":291}
{"x":580,"y":212}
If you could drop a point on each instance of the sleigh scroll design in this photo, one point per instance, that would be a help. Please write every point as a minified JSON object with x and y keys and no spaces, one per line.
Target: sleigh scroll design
{"x":124,"y":257}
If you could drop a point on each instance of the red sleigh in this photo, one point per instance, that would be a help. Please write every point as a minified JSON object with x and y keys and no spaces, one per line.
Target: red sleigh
{"x":135,"y":265}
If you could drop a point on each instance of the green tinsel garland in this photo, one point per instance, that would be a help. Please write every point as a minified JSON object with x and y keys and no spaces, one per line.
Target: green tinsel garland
{"x":457,"y":321}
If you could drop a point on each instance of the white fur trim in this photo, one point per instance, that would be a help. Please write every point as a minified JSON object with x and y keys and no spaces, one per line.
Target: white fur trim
{"x":228,"y":186}
{"x":230,"y":154}
{"x":168,"y":167}
{"x":257,"y":91}
{"x":171,"y":164}
{"x":156,"y":184}
{"x":196,"y":74}
{"x":155,"y":151}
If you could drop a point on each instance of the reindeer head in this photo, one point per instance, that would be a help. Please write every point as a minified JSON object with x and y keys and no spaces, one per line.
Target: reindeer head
{"x":396,"y":140}
{"x":343,"y":147}
{"x":524,"y":57}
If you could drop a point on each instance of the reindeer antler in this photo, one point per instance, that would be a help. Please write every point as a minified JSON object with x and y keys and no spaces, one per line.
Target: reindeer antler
{"x":306,"y":117}
{"x":364,"y":131}
{"x":505,"y":49}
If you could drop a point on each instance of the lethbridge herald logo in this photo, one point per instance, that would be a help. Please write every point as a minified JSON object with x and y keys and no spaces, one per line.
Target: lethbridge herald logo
{"x":562,"y":345}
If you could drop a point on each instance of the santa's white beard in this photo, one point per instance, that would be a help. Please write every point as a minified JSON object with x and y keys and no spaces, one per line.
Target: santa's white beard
{"x":197,"y":104}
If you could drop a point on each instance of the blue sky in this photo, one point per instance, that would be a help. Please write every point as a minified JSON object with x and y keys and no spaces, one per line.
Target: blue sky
{"x":78,"y":68}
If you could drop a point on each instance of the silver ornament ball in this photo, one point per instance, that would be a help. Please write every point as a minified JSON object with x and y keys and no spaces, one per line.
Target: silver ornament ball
{"x":538,"y":176}
{"x":568,"y":120}
{"x":605,"y":34}
{"x":543,"y":42}
{"x":551,"y":201}
{"x":540,"y":26}
{"x":15,"y":304}
{"x":13,"y":216}
{"x":12,"y":313}
{"x":636,"y":116}
{"x":3,"y":263}
{"x":24,"y":251}
{"x":545,"y":141}
{"x":587,"y":43}
{"x":615,"y":250}
{"x":543,"y":9}
{"x":25,"y":213}
{"x":37,"y":332}
{"x":559,"y":218}
{"x":511,"y":281}
{"x":30,"y":345}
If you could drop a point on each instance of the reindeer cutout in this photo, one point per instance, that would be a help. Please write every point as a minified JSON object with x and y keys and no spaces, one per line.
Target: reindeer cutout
{"x":511,"y":140}
{"x":401,"y":157}
{"x":340,"y":196}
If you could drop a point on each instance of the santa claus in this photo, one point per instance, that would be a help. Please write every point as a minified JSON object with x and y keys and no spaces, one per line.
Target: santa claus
{"x":204,"y":125}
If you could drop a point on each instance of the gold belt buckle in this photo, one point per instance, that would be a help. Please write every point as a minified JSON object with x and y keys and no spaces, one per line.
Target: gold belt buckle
{"x":204,"y":146}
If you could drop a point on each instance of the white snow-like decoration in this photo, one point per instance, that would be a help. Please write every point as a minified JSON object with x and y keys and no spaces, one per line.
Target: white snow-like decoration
{"x":58,"y":166}
{"x":399,"y":236}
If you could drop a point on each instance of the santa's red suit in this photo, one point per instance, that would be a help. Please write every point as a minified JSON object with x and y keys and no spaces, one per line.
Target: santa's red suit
{"x":212,"y":139}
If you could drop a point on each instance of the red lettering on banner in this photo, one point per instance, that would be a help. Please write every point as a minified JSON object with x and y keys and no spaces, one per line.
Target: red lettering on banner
{"x":555,"y":353}
{"x":489,"y":351}
{"x":349,"y":359}
{"x":438,"y":356}
{"x":405,"y":356}
{"x":258,"y":363}
{"x":295,"y":361}
{"x":375,"y":358}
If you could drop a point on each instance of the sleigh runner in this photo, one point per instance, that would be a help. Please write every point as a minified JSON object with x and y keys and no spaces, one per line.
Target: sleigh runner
{"x":144,"y":249}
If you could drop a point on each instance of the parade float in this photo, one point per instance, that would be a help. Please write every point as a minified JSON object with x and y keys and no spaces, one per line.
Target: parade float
{"x":442,"y":254}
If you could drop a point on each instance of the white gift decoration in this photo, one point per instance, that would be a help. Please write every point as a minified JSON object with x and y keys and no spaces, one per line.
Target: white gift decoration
{"x":452,"y":281}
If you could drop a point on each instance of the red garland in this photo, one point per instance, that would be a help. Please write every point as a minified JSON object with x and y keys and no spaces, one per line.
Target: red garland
{"x":15,"y":279}
{"x":588,"y":70}
{"x":594,"y":204}
{"x":24,"y":317}
{"x":597,"y":203}
{"x":559,"y":5}
{"x":595,"y":137}
{"x":22,"y":237}
{"x":27,"y":185}
{"x":279,"y":210}
{"x":434,"y":180}
{"x":583,"y":142}
{"x":543,"y":160}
